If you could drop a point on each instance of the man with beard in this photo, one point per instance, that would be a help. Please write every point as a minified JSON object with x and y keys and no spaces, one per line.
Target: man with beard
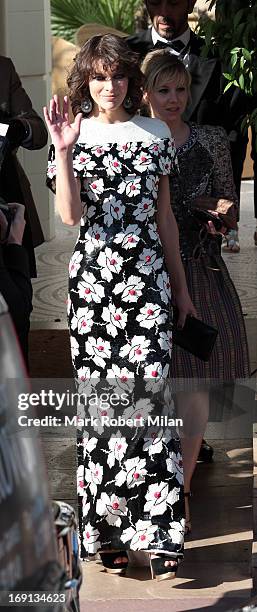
{"x":170,"y":29}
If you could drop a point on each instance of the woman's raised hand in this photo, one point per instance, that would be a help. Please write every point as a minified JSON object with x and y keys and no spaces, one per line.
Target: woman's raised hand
{"x":63,"y":133}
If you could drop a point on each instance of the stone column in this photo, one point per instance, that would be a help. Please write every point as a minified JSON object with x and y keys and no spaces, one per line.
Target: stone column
{"x":25,"y":35}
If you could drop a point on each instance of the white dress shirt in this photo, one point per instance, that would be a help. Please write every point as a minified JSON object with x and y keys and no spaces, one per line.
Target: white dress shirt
{"x":184,"y":38}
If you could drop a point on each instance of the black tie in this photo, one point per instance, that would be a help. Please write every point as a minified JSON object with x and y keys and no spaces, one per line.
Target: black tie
{"x":177,"y":45}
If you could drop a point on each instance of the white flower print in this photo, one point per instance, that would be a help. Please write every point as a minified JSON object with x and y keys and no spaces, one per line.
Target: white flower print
{"x":85,"y":380}
{"x":163,"y":282}
{"x":154,"y":443}
{"x":68,"y":305}
{"x":129,"y":237}
{"x":158,"y":497}
{"x":125,"y":150}
{"x":139,"y":411}
{"x":165,"y":341}
{"x":97,"y":410}
{"x":74,"y":265}
{"x":141,"y":536}
{"x":89,"y":443}
{"x":121,"y":373}
{"x":118,"y":447}
{"x":156,"y":147}
{"x":155,"y":371}
{"x":93,"y":476}
{"x":153,"y":233}
{"x":165,"y":164}
{"x":80,"y":480}
{"x":152,"y":184}
{"x":51,"y":170}
{"x":93,"y":187}
{"x":122,"y":378}
{"x":131,"y":186}
{"x":99,"y":350}
{"x":116,"y":319}
{"x":144,"y":209}
{"x":99,"y":150}
{"x":149,"y":315}
{"x":157,"y":375}
{"x":82,"y":320}
{"x":74,"y":347}
{"x":130,"y":290}
{"x":175,"y":466}
{"x":148,"y":261}
{"x":144,"y":161}
{"x":90,"y":289}
{"x":110,"y":263}
{"x":112,"y":164}
{"x":112,"y":508}
{"x":176,"y":531}
{"x":134,"y":473}
{"x":113,"y":209}
{"x":83,"y":160}
{"x":136,"y":350}
{"x":94,"y":238}
{"x":90,"y":539}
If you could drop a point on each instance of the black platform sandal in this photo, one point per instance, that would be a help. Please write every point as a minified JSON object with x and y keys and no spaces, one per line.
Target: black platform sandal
{"x":188,"y":526}
{"x":205,"y":453}
{"x":160,"y":571}
{"x":108,"y":561}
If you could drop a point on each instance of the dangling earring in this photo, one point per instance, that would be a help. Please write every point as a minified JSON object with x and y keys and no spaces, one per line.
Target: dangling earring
{"x":127,"y":103}
{"x":86,"y":106}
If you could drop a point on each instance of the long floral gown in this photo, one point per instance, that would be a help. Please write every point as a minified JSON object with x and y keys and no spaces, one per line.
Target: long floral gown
{"x":130,"y":481}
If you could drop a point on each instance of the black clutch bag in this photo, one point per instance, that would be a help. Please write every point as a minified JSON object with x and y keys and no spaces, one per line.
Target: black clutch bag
{"x":196,"y":337}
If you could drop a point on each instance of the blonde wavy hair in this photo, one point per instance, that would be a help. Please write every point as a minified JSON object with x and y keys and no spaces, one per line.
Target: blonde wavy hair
{"x":160,"y":66}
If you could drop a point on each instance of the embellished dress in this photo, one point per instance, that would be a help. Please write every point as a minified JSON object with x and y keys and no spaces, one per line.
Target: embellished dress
{"x":205,"y":170}
{"x":130,"y":479}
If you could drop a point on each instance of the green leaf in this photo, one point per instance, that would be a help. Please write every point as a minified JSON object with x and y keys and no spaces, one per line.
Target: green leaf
{"x":242,"y":62}
{"x":228,"y":86}
{"x":241,"y":81}
{"x":247,"y":55}
{"x":228,"y":76}
{"x":234,"y":61}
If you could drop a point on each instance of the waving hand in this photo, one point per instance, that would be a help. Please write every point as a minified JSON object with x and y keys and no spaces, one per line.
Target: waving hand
{"x":63,"y":133}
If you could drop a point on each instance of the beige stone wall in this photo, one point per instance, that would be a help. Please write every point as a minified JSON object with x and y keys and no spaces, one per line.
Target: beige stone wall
{"x":25,"y":25}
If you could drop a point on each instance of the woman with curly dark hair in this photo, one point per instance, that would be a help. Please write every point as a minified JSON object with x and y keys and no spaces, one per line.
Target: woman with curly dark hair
{"x":110,"y":171}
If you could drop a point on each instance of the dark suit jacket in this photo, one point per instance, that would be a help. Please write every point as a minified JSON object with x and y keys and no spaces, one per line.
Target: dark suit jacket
{"x":14,"y":184}
{"x":206,"y":104}
{"x":15,"y":286}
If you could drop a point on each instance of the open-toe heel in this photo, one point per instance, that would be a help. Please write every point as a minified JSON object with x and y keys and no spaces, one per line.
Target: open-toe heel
{"x":188,"y":526}
{"x":160,"y":571}
{"x":108,"y":561}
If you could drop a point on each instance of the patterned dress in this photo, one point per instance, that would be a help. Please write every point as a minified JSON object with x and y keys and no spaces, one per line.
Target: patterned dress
{"x":205,"y":169}
{"x":130,"y":480}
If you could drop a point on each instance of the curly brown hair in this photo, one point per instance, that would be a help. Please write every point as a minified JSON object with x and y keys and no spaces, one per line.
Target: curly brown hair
{"x":114,"y":53}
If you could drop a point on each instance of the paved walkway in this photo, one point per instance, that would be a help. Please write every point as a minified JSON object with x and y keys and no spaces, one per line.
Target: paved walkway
{"x":216,"y":573}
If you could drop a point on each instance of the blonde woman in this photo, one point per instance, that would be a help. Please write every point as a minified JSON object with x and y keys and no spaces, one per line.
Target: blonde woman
{"x":204,"y":181}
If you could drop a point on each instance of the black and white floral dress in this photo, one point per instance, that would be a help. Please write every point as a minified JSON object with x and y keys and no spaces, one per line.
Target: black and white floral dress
{"x":130,"y":481}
